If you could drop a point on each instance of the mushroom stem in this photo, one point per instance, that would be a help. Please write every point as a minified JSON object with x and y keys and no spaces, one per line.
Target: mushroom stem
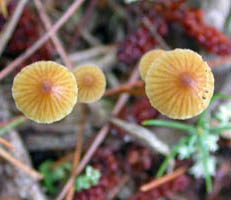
{"x":78,"y":151}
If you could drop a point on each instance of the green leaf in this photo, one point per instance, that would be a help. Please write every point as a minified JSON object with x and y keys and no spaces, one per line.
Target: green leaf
{"x":12,"y":125}
{"x":48,"y":180}
{"x":53,"y":175}
{"x":88,"y":179}
{"x":169,"y":124}
{"x":220,"y":128}
{"x":205,"y":156}
{"x":219,"y":95}
{"x":93,"y":174}
{"x":171,"y":156}
{"x":201,"y":121}
{"x":81,"y":183}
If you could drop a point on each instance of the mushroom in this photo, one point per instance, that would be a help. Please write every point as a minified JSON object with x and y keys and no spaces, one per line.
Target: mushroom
{"x":45,"y":91}
{"x":91,"y":83}
{"x":179,"y":84}
{"x":147,"y":59}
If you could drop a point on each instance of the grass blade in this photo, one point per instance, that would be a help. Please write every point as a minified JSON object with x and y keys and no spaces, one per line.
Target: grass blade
{"x":169,"y":124}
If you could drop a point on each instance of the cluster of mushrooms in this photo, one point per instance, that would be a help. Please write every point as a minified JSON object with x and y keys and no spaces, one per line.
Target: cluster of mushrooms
{"x":178,"y":83}
{"x":46,"y":91}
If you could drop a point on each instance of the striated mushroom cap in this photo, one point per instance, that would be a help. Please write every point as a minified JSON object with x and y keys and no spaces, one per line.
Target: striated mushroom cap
{"x":179,"y":84}
{"x":146,"y":61}
{"x":91,"y":83}
{"x":45,"y":91}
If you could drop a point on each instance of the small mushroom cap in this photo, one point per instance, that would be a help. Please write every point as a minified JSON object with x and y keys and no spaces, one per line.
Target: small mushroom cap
{"x":147,"y":59}
{"x":91,"y":83}
{"x":179,"y":84}
{"x":45,"y":91}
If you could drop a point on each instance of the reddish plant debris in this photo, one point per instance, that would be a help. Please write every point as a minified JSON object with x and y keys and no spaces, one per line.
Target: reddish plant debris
{"x":111,"y":162}
{"x":27,"y":32}
{"x":139,"y":111}
{"x":139,"y":159}
{"x":131,"y":159}
{"x":163,"y":13}
{"x":105,"y":160}
{"x":191,"y":20}
{"x":137,"y":43}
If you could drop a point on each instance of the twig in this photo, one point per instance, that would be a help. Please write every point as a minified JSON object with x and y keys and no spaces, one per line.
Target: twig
{"x":105,"y":61}
{"x":157,"y":36}
{"x":78,"y":150}
{"x":100,"y":136}
{"x":6,"y":144}
{"x":42,"y":40}
{"x":219,"y":61}
{"x":88,"y":37}
{"x":12,"y":124}
{"x":84,"y":19}
{"x":157,"y":182}
{"x":24,"y":186}
{"x":20,"y":165}
{"x":124,"y":88}
{"x":50,"y":142}
{"x":11,"y":25}
{"x":95,"y":51}
{"x":5,"y":123}
{"x":118,"y":9}
{"x":47,"y":23}
{"x":143,"y":135}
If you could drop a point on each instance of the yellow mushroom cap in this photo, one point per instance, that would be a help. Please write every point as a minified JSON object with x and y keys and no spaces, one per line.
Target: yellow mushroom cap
{"x":91,"y":83}
{"x":147,"y":59}
{"x":179,"y":84}
{"x":45,"y":91}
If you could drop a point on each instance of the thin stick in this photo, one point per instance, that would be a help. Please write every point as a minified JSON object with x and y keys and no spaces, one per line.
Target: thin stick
{"x":80,"y":56}
{"x":10,"y":27}
{"x":84,"y":19}
{"x":6,"y":144}
{"x":47,"y":23}
{"x":42,"y":40}
{"x":20,"y":165}
{"x":219,"y":61}
{"x":78,"y":150}
{"x":5,"y":123}
{"x":157,"y":36}
{"x":157,"y":182}
{"x":12,"y":124}
{"x":100,"y":136}
{"x":124,"y":88}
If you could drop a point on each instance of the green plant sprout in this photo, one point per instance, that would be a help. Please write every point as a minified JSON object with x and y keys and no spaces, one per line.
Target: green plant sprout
{"x":200,"y":142}
{"x":53,"y":175}
{"x":60,"y":173}
{"x":88,"y":179}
